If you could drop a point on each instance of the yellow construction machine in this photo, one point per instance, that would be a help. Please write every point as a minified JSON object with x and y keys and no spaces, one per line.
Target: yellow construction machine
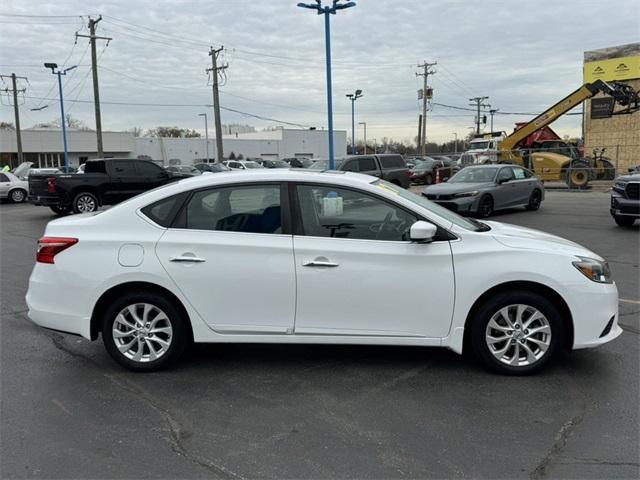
{"x":554,"y":166}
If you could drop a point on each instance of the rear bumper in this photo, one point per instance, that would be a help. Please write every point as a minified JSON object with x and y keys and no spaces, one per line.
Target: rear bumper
{"x":46,"y":200}
{"x":58,"y":305}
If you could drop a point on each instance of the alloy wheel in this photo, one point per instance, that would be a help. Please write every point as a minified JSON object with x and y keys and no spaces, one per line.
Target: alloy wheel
{"x":17,"y":196}
{"x":142,"y":332}
{"x":518,"y":335}
{"x":86,"y":204}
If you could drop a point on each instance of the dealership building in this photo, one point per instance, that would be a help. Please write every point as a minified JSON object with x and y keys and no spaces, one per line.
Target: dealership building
{"x":44,"y":146}
{"x":618,"y":134}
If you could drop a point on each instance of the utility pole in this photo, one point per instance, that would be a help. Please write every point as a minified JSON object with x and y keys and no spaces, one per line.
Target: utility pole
{"x":419,"y":142}
{"x":455,"y":145}
{"x":425,"y":73}
{"x":492,"y":112}
{"x":94,"y":70}
{"x":365,"y":136}
{"x":213,"y":53}
{"x":16,"y":111}
{"x":478,"y":103}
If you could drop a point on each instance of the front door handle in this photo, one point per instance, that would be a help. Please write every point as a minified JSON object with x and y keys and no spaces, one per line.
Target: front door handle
{"x":186,"y":259}
{"x":319,"y":263}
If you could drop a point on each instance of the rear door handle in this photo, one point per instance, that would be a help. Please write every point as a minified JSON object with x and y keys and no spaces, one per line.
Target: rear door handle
{"x":186,"y":259}
{"x":319,"y":263}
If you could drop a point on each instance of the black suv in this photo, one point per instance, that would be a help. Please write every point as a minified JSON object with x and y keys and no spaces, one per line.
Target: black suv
{"x":625,"y":199}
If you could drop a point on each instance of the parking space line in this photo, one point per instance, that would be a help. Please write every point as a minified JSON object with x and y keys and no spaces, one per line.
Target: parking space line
{"x":624,"y":300}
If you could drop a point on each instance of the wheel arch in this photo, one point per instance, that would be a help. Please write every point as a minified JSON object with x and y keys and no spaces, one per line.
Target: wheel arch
{"x":85,"y":189}
{"x":525,"y":286}
{"x":17,"y":187}
{"x":113,"y":292}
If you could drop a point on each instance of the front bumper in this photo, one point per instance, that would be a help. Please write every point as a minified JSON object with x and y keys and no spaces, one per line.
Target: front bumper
{"x":621,"y":206}
{"x":592,"y":307}
{"x":460,"y":205}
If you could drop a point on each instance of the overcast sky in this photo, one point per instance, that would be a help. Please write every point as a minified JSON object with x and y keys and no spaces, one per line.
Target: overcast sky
{"x":524,"y":55}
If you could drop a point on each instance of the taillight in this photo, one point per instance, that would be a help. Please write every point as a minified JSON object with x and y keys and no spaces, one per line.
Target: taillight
{"x":51,"y":186}
{"x":49,"y":247}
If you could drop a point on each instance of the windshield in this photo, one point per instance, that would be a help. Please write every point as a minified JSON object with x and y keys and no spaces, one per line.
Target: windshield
{"x":324,"y":164}
{"x":478,"y":145}
{"x":252,"y":165}
{"x":426,"y":164}
{"x":475,"y":175}
{"x":421,"y":201}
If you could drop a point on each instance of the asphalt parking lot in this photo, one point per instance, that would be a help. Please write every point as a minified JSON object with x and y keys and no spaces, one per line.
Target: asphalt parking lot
{"x":256,"y":411}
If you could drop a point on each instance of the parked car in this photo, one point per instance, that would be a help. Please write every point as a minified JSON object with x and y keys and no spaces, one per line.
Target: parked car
{"x":25,"y":169}
{"x":483,"y":189}
{"x":212,"y":167}
{"x":12,"y":188}
{"x":105,"y":182}
{"x":299,"y":162}
{"x":273,"y":163}
{"x":429,"y":169}
{"x":314,"y":249}
{"x":625,"y":199}
{"x":183,"y":169}
{"x":387,"y":166}
{"x":242,"y":164}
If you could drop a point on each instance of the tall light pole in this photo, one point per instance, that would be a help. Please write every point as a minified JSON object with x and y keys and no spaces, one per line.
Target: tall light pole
{"x":327,"y":33}
{"x":365,"y":135}
{"x":492,"y":112}
{"x":53,"y":67}
{"x":206,"y":134}
{"x":353,"y":97}
{"x":455,"y":145}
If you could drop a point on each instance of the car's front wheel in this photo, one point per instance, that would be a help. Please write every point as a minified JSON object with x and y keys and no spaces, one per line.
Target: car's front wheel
{"x":18,"y":195}
{"x":624,"y":220}
{"x":485,"y":207}
{"x":144,"y":332}
{"x":534,"y":200}
{"x":516,"y":333}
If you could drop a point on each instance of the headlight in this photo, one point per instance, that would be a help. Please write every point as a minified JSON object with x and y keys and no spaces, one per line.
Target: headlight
{"x":620,"y":185}
{"x":468,"y":194}
{"x":594,"y":270}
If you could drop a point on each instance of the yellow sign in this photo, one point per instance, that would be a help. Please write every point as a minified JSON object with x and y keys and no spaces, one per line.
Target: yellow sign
{"x":623,"y":68}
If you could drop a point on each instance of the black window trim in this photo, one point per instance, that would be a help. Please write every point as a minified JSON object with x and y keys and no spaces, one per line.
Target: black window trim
{"x":442,"y":234}
{"x":179,"y":220}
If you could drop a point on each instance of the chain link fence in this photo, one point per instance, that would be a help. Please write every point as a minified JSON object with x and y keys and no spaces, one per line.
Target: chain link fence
{"x":559,"y":166}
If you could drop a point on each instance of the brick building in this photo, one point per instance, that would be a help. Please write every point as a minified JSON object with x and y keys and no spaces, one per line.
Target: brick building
{"x":619,"y":134}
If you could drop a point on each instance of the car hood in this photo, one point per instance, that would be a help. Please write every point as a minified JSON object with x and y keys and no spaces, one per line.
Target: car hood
{"x":634,"y":177}
{"x":527,"y":238}
{"x":449,"y":188}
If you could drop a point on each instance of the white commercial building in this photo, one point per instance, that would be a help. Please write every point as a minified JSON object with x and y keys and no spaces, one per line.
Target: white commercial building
{"x":44,"y":147}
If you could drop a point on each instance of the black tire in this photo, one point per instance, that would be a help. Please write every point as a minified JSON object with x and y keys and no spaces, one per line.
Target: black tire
{"x":485,"y":206}
{"x":18,"y":195}
{"x":623,"y":220}
{"x":178,"y":341}
{"x":428,"y":179}
{"x":510,"y":299}
{"x":60,"y":210}
{"x":85,"y":202}
{"x":534,"y":200}
{"x":577,"y":175}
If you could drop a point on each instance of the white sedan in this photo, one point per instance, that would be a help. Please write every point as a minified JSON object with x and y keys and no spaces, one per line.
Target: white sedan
{"x":327,"y":258}
{"x":13,"y":188}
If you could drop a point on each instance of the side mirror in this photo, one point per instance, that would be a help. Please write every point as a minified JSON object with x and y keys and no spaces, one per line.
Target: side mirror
{"x":502,"y":180}
{"x":422,"y":232}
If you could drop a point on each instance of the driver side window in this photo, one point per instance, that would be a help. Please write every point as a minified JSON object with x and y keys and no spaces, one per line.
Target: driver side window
{"x":341,"y":213}
{"x":505,"y":174}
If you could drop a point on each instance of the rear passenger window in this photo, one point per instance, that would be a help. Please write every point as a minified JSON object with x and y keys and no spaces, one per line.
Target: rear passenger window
{"x":148,"y":169}
{"x":164,"y":211}
{"x":3,"y":178}
{"x":248,"y":209}
{"x":367,"y":164}
{"x":350,"y":166}
{"x":392,"y":161}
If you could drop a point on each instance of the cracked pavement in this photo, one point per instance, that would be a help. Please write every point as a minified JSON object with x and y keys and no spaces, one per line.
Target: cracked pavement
{"x":269,"y":411}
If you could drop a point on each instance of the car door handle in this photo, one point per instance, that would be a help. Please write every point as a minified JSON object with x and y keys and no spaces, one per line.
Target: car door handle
{"x":319,"y":263}
{"x":187,"y":258}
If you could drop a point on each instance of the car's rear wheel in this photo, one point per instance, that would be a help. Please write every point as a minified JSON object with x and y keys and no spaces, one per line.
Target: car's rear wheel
{"x":623,"y":220}
{"x":144,"y":332}
{"x":485,"y":208}
{"x":85,"y":202}
{"x":18,"y":195}
{"x":516,"y":333}
{"x":534,"y":200}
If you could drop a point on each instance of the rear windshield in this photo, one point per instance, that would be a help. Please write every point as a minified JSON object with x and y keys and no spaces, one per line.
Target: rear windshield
{"x":95,"y":167}
{"x":392,"y":161}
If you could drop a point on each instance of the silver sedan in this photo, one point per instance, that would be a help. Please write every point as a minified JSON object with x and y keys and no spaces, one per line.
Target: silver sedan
{"x":12,"y":188}
{"x":483,"y":189}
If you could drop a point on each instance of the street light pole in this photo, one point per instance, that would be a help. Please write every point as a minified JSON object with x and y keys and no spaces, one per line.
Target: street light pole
{"x":365,"y":136}
{"x":326,"y":11}
{"x":455,"y":145}
{"x":206,"y":134}
{"x":53,"y":67}
{"x":353,"y":97}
